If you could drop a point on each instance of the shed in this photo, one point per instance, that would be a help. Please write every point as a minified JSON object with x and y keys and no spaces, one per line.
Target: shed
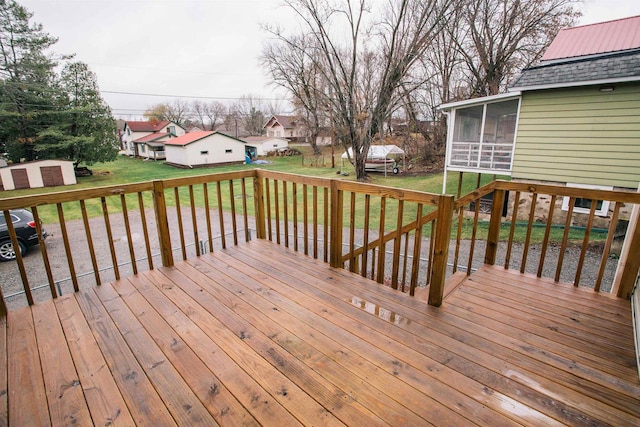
{"x":41,"y":173}
{"x":204,"y":148}
{"x":380,"y":158}
{"x":266,"y":144}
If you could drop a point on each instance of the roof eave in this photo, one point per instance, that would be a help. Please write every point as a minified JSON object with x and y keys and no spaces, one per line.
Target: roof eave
{"x":519,"y":89}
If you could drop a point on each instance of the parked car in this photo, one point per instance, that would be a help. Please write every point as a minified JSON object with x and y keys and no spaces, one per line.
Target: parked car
{"x":25,"y":227}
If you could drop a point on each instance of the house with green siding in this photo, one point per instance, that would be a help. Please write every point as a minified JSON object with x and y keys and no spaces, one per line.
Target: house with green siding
{"x":573,"y":118}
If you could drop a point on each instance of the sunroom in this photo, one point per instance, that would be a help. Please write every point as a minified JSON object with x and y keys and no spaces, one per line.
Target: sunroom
{"x":481,"y":134}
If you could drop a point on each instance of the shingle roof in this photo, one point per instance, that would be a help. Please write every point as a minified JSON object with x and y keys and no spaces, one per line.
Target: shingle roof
{"x":148,"y":126}
{"x":603,"y":37}
{"x":624,"y":66}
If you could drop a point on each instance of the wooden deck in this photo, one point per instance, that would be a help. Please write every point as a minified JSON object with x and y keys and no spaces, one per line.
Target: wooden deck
{"x":259,"y":335}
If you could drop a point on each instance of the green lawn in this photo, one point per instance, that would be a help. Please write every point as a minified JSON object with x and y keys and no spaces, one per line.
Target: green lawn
{"x":129,"y":170}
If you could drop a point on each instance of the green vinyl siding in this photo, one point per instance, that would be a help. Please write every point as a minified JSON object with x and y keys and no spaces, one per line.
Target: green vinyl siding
{"x":580,"y":135}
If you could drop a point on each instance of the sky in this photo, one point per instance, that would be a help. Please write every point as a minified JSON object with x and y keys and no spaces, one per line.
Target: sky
{"x":189,"y":48}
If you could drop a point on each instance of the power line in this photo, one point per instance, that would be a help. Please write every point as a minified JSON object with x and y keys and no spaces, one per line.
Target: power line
{"x":189,"y":96}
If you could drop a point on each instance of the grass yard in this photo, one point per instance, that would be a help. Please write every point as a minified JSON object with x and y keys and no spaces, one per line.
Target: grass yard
{"x":126,"y":170}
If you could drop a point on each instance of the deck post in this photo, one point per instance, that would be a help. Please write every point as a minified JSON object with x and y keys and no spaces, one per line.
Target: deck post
{"x":160,"y":208}
{"x":258,"y":195}
{"x":441,"y":249}
{"x":631,"y":266}
{"x":493,"y":236}
{"x":335,"y":248}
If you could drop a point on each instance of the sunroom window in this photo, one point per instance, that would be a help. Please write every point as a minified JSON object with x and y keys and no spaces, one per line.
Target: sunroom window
{"x":484,"y":135}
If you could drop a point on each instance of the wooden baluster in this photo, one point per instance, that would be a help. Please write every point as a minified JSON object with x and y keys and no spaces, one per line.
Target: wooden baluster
{"x":512,"y":229}
{"x":327,"y":224}
{"x":267,"y":188}
{"x":396,"y":245}
{"x":223,"y":237}
{"x":234,"y":222}
{"x":432,"y":242}
{"x":183,"y":246}
{"x":207,"y":215}
{"x":315,"y":222}
{"x":365,"y":237}
{"x":194,"y":221}
{"x":565,"y":238}
{"x":474,"y":231}
{"x":43,"y":251}
{"x":305,"y":218}
{"x":337,"y":206}
{"x":405,"y":260}
{"x":527,"y":240}
{"x":547,"y":233}
{"x":92,"y":252}
{"x":285,"y":208}
{"x":352,"y":232}
{"x":607,"y":246}
{"x":417,"y":248}
{"x":276,"y":199}
{"x":294,"y":207}
{"x":245,"y":214}
{"x":16,"y":248}
{"x":381,"y":243}
{"x":67,"y":247}
{"x":585,"y":243}
{"x":145,"y":230}
{"x":127,"y":228}
{"x":107,"y":223}
{"x":258,"y":195}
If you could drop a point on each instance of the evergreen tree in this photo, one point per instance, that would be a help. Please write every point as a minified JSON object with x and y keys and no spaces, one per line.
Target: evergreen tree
{"x":85,"y":131}
{"x":28,"y":91}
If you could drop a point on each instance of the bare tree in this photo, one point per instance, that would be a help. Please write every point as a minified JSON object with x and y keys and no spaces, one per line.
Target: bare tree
{"x":207,"y":115}
{"x":177,"y":111}
{"x":293,"y":67}
{"x":364,"y":73}
{"x":504,"y":36}
{"x":249,"y":110}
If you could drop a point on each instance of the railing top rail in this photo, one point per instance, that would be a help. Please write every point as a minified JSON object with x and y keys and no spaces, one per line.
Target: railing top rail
{"x":208,"y":178}
{"x":475,"y":195}
{"x":73,"y":195}
{"x":301,"y":179}
{"x":624,"y":196}
{"x":392,"y":192}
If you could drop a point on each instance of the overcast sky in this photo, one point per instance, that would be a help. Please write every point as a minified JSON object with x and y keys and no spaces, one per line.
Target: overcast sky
{"x":206,"y":48}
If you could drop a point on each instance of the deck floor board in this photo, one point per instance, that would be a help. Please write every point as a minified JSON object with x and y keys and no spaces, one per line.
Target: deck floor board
{"x":258,"y":334}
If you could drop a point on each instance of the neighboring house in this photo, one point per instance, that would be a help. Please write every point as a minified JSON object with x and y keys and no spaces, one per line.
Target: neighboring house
{"x":146,"y":138}
{"x":205,"y":148}
{"x":41,"y":173}
{"x":573,"y":118}
{"x":289,"y":127}
{"x":266,"y":144}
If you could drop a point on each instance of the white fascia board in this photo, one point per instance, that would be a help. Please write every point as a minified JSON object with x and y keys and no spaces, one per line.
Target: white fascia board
{"x":477,"y":101}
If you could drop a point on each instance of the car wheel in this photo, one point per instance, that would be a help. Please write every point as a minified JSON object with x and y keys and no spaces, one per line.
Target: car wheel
{"x":396,"y":171}
{"x":6,"y":250}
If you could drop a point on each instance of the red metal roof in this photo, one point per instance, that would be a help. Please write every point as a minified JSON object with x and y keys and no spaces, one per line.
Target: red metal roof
{"x":190,"y":137}
{"x":149,"y":126}
{"x":604,"y":37}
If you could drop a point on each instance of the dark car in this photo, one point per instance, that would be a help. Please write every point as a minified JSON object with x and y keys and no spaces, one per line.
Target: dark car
{"x":25,"y":227}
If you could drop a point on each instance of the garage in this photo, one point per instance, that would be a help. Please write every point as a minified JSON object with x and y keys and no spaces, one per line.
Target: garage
{"x":41,"y":173}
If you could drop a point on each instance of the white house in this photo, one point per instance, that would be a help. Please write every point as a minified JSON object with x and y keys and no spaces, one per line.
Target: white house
{"x":289,"y":127}
{"x":41,"y":173}
{"x":266,"y":144}
{"x":146,"y":138}
{"x":205,"y":148}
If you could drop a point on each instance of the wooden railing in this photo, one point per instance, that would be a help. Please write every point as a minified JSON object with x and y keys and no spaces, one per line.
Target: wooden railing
{"x":122,"y":230}
{"x":398,"y":237}
{"x":568,"y":248}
